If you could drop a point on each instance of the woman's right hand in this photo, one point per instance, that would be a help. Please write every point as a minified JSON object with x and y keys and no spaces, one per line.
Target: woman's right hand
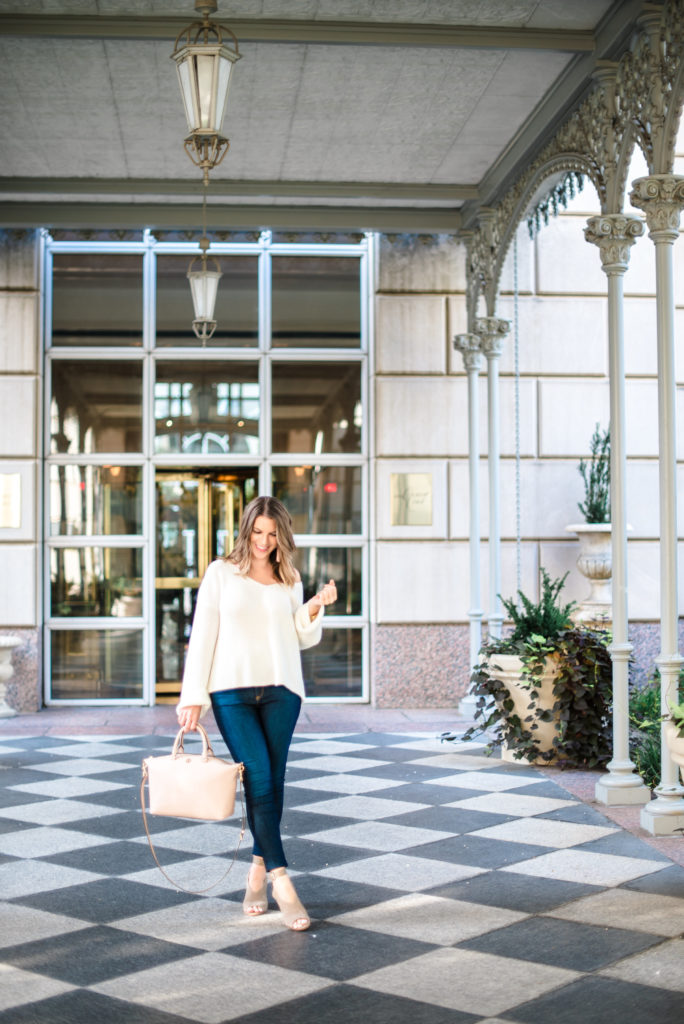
{"x":189,"y":716}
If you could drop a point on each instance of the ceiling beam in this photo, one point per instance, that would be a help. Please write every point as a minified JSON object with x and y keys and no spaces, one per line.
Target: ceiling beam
{"x":227,"y":187}
{"x":182,"y":216}
{"x":294,"y":30}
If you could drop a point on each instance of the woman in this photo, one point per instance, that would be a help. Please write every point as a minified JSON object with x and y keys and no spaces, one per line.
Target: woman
{"x":244,"y":661}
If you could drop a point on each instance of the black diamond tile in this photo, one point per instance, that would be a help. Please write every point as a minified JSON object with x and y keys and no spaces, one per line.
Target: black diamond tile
{"x":547,"y":789}
{"x":407,"y":772}
{"x":81,"y":1006}
{"x":298,"y":822}
{"x":624,"y":844}
{"x":299,"y":796}
{"x":328,"y":897}
{"x":94,"y":954}
{"x":668,"y":882}
{"x":126,"y":799}
{"x":106,"y":899}
{"x":581,"y":813}
{"x":475,"y":850}
{"x":595,"y":1000}
{"x":575,"y":946}
{"x":9,"y":825}
{"x":343,"y":1004}
{"x":450,"y":819}
{"x":516,"y":892}
{"x":116,"y":858}
{"x":127,"y":825}
{"x":386,"y":753}
{"x":331,"y":950}
{"x":425,"y":793}
{"x":14,"y":798}
{"x":307,"y":855}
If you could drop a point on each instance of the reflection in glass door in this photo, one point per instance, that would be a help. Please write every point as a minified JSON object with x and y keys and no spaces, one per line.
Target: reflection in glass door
{"x":198,"y":516}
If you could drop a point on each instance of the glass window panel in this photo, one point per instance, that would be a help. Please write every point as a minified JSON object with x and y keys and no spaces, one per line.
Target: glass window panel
{"x":316,"y":407}
{"x":96,"y":581}
{"x":97,"y":299}
{"x":320,"y":499}
{"x":177,"y":528}
{"x":319,"y":565}
{"x":100,"y":500}
{"x":333,"y":667}
{"x":96,"y":664}
{"x":237,"y":302}
{"x":175,"y":610}
{"x":316,"y":302}
{"x":96,"y":406}
{"x":207,"y":408}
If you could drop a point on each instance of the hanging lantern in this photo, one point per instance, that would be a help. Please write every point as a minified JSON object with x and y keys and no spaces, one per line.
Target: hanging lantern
{"x":204,"y":287}
{"x":204,"y":62}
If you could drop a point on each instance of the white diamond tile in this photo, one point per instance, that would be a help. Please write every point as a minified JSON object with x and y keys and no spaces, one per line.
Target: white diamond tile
{"x":212,"y":987}
{"x":328,"y":746}
{"x":428,"y":918}
{"x":517,"y":804}
{"x":661,"y":967}
{"x":68,"y":787}
{"x":19,"y":987}
{"x":209,"y":838}
{"x":56,"y":812}
{"x":582,"y":866}
{"x":26,"y":924}
{"x":638,"y":911}
{"x":26,"y":877}
{"x":198,"y":873}
{"x":83,"y":766}
{"x":337,"y":763}
{"x":378,"y":835}
{"x":45,"y":842}
{"x":210,"y":924}
{"x":342,"y":784}
{"x":545,"y":832}
{"x":492,"y":782}
{"x":366,"y":808}
{"x":401,"y":871}
{"x":91,"y":749}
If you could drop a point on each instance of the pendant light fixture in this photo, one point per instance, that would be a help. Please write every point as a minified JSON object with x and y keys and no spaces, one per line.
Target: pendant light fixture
{"x":204,"y":279}
{"x":205,"y":54}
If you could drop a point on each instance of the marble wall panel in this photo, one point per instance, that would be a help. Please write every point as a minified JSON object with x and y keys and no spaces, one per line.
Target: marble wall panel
{"x":18,"y":431}
{"x":526,"y":264}
{"x":420,"y":666}
{"x":641,"y":351}
{"x":421,"y":582}
{"x":18,"y":332}
{"x":421,"y":263}
{"x":27,"y":472}
{"x":566,"y":264}
{"x":18,"y":594}
{"x":557,"y":335}
{"x":18,"y":258}
{"x":410,"y":334}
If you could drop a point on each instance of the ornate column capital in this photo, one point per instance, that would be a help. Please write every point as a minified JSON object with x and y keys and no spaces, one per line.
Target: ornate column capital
{"x":491,"y":331}
{"x":614,"y":234}
{"x":661,"y":197}
{"x":469,"y":347}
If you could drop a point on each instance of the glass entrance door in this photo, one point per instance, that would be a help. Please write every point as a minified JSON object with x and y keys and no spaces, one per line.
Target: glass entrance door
{"x":197,"y":520}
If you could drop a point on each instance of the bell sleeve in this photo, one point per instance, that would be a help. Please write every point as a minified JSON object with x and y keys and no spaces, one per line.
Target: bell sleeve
{"x":309,"y":631}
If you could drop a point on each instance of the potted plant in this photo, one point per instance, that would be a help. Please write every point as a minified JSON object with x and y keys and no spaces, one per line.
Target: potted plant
{"x":595,"y":557}
{"x":545,"y":690}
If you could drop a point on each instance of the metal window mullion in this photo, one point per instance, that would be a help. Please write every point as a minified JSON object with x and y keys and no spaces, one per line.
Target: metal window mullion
{"x":206,"y":355}
{"x":149,"y":284}
{"x":352,"y":250}
{"x":317,"y":355}
{"x":109,"y":353}
{"x":103,"y":248}
{"x":89,"y":623}
{"x":96,"y":540}
{"x":123,"y":459}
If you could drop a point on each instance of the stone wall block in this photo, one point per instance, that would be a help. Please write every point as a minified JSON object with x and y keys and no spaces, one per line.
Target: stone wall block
{"x":526,"y":267}
{"x":18,"y":432}
{"x":551,"y":328}
{"x":424,"y":666}
{"x":566,"y":264}
{"x":422,"y":582}
{"x":18,"y":258}
{"x":24,"y":689}
{"x":421,"y":263}
{"x":410,"y":334}
{"x":18,"y":594}
{"x":18,"y":332}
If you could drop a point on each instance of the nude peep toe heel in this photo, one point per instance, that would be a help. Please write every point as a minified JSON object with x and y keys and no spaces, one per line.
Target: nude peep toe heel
{"x":256,"y":900}
{"x":295,"y":916}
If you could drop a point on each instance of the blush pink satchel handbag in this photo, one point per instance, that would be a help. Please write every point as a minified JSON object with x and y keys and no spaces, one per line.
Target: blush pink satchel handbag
{"x":200,"y":786}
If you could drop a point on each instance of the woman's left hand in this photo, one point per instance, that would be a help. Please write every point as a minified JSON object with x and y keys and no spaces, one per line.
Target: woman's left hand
{"x":326,"y":595}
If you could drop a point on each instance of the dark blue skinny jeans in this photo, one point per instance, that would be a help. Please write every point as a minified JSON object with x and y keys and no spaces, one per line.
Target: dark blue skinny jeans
{"x":257,"y":723}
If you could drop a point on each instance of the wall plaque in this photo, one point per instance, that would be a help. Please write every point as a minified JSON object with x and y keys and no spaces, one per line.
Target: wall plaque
{"x":411,"y":499}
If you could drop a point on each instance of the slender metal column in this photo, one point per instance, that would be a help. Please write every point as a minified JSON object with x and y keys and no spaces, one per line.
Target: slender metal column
{"x":661,"y":197}
{"x":492,"y":331}
{"x":615,"y":234}
{"x":469,"y":347}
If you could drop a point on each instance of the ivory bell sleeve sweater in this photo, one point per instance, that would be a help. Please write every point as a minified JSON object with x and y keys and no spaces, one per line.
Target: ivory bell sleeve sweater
{"x":246,"y":634}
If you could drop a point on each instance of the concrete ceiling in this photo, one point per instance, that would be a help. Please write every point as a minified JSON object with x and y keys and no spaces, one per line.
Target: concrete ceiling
{"x":400,"y":115}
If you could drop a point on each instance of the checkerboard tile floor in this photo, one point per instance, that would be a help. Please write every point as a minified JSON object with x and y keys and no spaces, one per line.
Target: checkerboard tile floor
{"x":444,"y":886}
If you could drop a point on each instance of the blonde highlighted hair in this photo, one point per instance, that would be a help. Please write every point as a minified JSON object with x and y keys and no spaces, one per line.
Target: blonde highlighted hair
{"x":281,"y":558}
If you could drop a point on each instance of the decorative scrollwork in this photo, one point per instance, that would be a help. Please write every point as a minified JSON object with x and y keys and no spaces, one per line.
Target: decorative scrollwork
{"x":661,"y":197}
{"x":614,"y":234}
{"x":469,"y":347}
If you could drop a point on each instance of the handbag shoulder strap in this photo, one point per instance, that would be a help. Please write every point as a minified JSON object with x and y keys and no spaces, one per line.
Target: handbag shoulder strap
{"x":243,"y":829}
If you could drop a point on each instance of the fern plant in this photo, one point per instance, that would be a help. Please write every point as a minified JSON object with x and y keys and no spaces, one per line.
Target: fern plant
{"x":596,"y":475}
{"x":543,"y":619}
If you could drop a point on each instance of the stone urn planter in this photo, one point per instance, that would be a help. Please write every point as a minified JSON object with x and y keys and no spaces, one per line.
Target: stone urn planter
{"x":7,"y":645}
{"x":675,"y":744}
{"x":595,"y":561}
{"x":508,"y":669}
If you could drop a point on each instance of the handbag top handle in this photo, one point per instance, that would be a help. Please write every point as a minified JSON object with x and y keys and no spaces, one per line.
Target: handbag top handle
{"x":207,"y":750}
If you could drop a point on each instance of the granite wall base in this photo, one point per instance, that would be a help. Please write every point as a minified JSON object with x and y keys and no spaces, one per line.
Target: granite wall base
{"x":25,"y":690}
{"x":420,"y":666}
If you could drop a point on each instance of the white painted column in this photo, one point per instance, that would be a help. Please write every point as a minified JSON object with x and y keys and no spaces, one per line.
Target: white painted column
{"x":469,"y":347}
{"x":615,"y":234}
{"x":492,"y":331}
{"x":661,"y":197}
